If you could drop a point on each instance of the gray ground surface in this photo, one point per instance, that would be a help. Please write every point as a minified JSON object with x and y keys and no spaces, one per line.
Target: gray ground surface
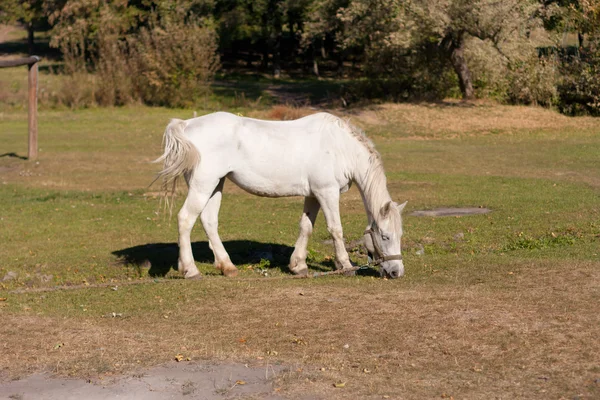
{"x":171,"y":381}
{"x":450,"y":212}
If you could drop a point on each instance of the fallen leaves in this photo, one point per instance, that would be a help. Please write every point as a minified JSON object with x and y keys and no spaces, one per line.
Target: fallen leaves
{"x":299,"y":341}
{"x":339,"y":384}
{"x":180,"y":357}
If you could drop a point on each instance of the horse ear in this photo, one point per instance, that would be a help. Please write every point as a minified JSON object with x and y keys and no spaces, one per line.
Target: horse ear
{"x":385,"y":210}
{"x":400,"y":207}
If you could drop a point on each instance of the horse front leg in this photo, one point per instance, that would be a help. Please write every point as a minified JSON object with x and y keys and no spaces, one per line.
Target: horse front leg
{"x":307,"y":222}
{"x":329,"y":201}
{"x":210,"y":222}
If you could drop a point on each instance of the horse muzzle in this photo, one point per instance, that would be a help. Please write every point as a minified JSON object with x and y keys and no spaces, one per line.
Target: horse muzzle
{"x":392,"y":269}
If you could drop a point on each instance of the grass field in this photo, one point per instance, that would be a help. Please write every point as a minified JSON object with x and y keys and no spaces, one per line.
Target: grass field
{"x":502,"y":305}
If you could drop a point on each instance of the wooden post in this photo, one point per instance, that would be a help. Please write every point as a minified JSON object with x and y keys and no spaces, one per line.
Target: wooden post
{"x":31,"y":62}
{"x":33,"y":125}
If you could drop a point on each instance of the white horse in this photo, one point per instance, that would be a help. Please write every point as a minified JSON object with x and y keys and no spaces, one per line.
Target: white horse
{"x":318,"y":157}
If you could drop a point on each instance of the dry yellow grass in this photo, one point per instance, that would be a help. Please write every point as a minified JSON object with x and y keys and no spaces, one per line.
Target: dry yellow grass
{"x":454,"y":118}
{"x":532,"y":336}
{"x":467,"y":322}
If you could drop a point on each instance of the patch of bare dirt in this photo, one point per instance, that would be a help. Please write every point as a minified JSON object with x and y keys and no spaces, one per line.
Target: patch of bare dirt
{"x":171,"y":381}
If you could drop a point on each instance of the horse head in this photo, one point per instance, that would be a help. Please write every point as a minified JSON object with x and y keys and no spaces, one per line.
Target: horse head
{"x":383,"y":240}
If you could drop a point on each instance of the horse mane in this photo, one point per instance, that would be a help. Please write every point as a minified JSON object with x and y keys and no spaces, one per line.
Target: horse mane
{"x":359,"y":135}
{"x":374,"y":186}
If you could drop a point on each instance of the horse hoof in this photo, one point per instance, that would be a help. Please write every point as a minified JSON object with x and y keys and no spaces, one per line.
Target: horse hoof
{"x":230,"y":272}
{"x":349,"y":273}
{"x":196,"y":277}
{"x":300,"y":272}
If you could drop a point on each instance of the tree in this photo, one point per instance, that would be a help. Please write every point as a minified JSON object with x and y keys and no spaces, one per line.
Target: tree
{"x":31,"y":13}
{"x":579,"y":16}
{"x":323,"y":25}
{"x":406,"y":27}
{"x":271,"y":28}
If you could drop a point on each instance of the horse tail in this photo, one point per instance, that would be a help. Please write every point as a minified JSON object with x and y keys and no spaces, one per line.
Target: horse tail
{"x":179,"y":158}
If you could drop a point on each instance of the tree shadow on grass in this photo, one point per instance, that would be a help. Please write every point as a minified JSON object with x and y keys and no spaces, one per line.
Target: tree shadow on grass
{"x":162,"y":257}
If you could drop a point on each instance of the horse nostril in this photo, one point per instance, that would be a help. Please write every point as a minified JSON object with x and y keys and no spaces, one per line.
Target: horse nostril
{"x":394,"y":274}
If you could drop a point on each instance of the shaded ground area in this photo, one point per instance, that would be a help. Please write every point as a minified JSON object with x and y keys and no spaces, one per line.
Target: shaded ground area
{"x":172,"y":381}
{"x":160,"y":258}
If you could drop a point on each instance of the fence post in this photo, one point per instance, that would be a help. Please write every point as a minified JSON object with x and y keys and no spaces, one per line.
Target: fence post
{"x":33,"y":125}
{"x":32,"y":64}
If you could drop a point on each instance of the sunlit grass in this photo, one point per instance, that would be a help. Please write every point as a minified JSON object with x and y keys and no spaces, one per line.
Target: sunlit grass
{"x":486,"y":298}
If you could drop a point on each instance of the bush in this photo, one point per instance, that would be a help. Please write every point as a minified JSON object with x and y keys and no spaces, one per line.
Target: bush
{"x":399,"y":74}
{"x":172,"y":65}
{"x":533,"y":81}
{"x":579,"y":89}
{"x":525,"y":78}
{"x":113,"y":69}
{"x":162,"y":63}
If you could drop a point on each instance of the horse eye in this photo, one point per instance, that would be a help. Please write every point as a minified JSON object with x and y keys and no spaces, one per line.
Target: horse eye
{"x":383,"y":237}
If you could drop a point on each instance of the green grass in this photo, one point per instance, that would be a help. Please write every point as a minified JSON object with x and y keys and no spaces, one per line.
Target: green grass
{"x":494,"y":290}
{"x":537,"y":185}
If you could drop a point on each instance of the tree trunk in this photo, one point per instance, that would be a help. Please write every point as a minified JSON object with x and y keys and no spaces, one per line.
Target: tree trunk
{"x":315,"y":63}
{"x":30,"y":39}
{"x":277,"y":58}
{"x":455,"y":45}
{"x":340,"y":63}
{"x":275,"y":39}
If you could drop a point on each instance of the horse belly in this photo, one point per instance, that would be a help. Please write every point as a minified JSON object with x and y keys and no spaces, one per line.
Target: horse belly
{"x":270,"y":183}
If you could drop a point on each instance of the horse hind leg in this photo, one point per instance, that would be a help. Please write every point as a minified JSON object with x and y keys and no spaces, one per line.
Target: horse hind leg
{"x":196,"y":201}
{"x":210,"y":222}
{"x":307,"y":222}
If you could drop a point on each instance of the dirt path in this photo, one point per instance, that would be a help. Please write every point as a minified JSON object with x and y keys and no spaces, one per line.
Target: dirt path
{"x":172,"y":381}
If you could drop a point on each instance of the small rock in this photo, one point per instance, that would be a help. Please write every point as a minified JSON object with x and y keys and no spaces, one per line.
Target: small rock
{"x":421,"y":250}
{"x":459,"y":237}
{"x":10,"y":276}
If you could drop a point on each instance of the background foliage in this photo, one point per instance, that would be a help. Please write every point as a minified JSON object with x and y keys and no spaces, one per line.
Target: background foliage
{"x":160,"y":52}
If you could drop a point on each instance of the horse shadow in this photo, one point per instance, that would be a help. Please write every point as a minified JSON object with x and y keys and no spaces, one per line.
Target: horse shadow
{"x":160,"y":258}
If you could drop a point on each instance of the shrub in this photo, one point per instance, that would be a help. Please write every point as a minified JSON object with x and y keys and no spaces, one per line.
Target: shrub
{"x":173,"y":64}
{"x":533,"y":81}
{"x":160,"y":63}
{"x":114,"y":71}
{"x":579,"y":89}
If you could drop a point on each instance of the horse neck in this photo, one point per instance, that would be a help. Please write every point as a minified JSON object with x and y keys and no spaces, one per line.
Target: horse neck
{"x":370,"y":179}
